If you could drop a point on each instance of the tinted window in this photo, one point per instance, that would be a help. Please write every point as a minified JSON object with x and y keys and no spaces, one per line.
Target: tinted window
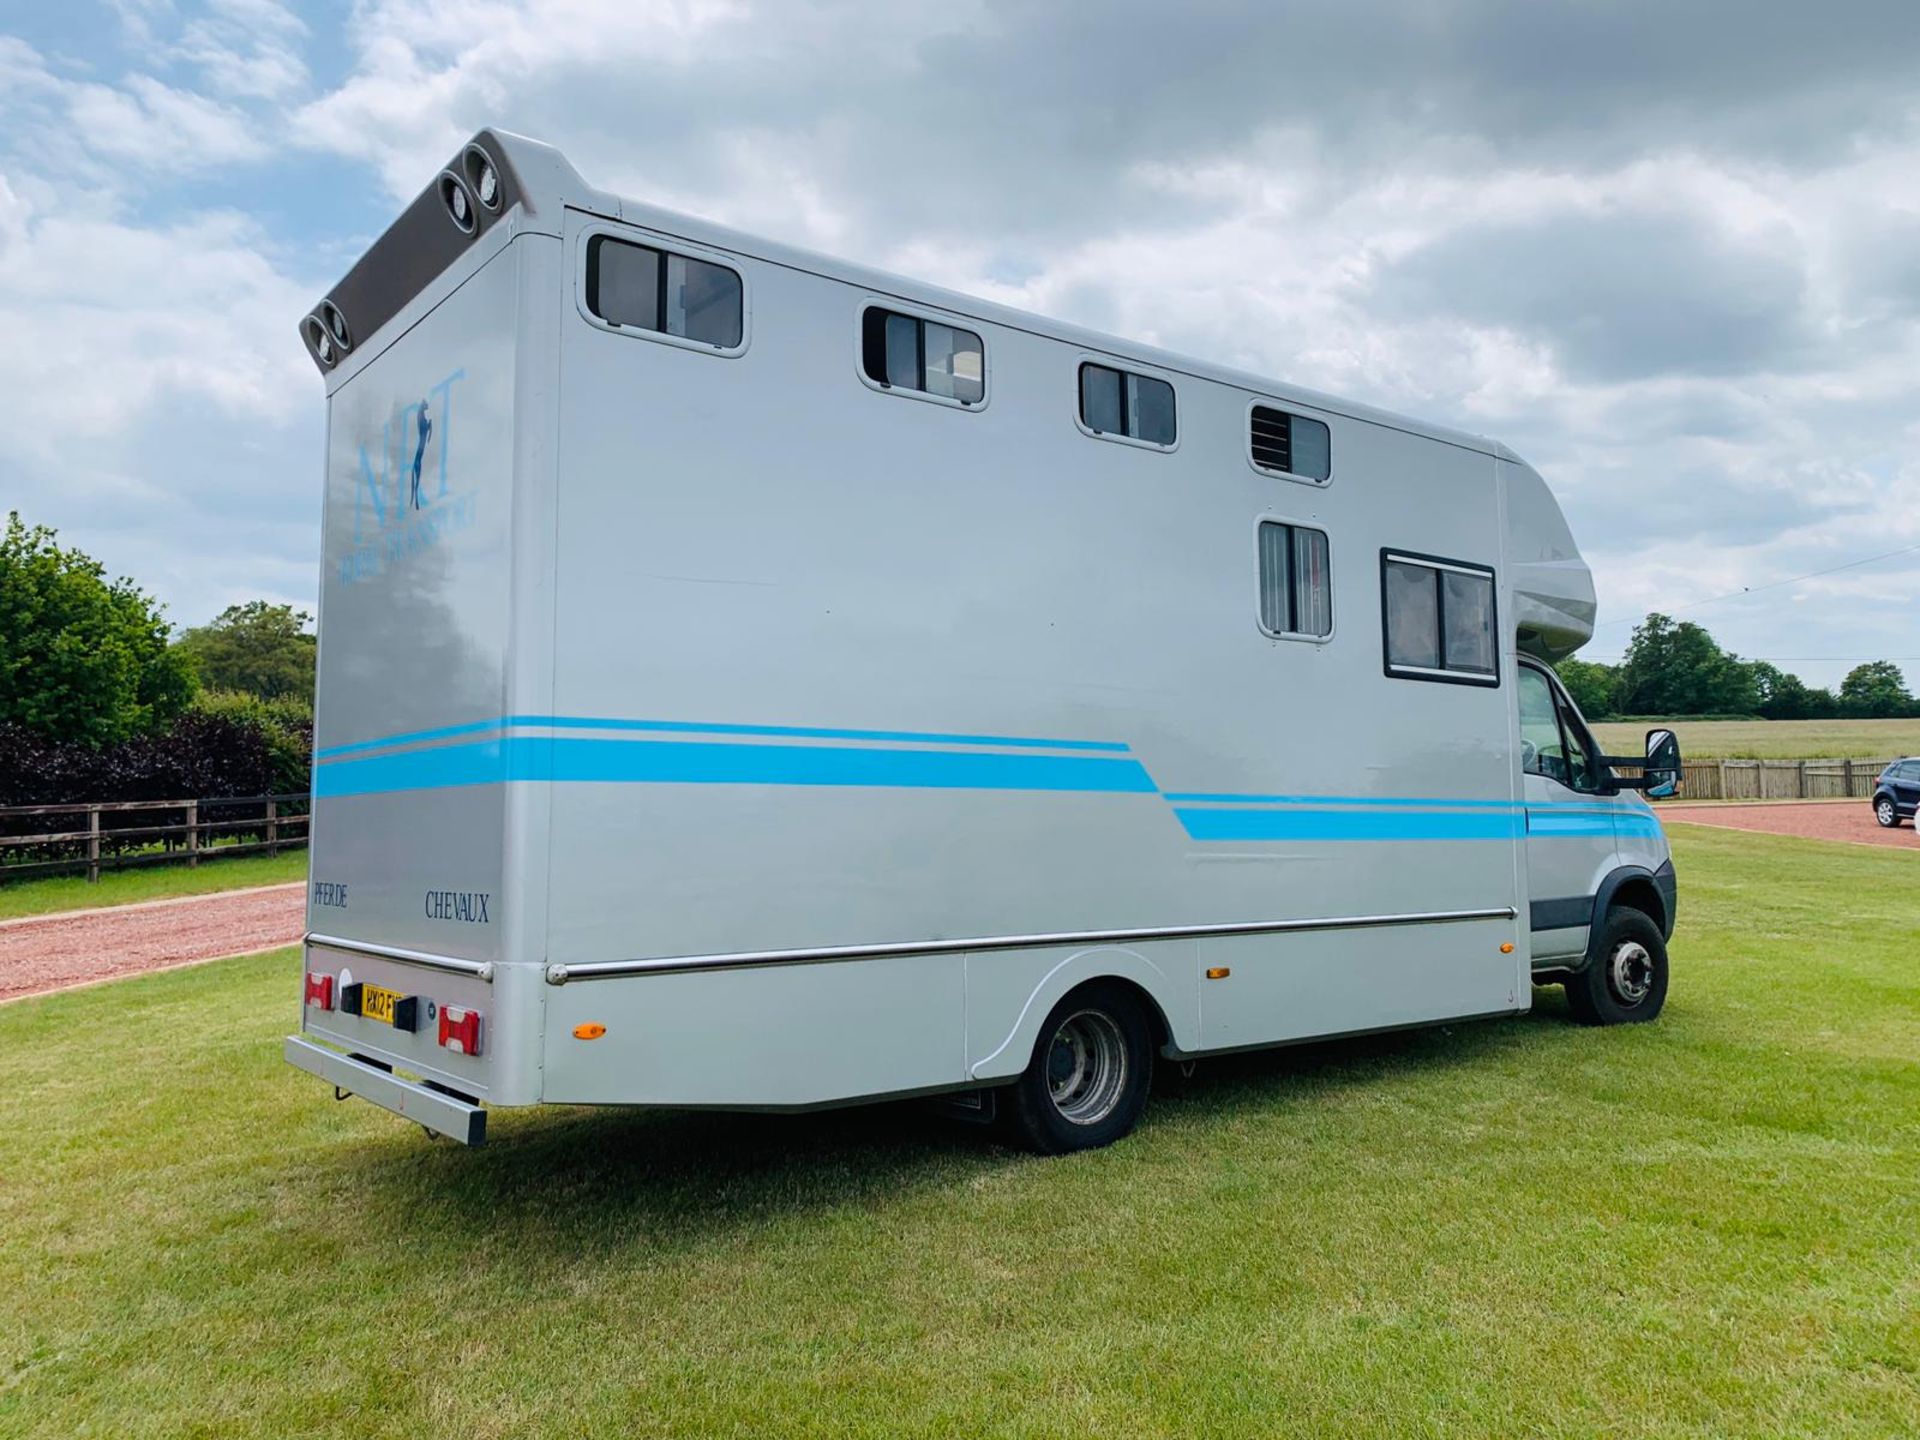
{"x":1100,"y":400}
{"x":1438,"y":618}
{"x":905,"y":352}
{"x":1413,"y":616}
{"x":953,"y":363}
{"x":638,"y":287}
{"x":1466,"y":604}
{"x":1119,"y":402}
{"x":1296,"y":590}
{"x":703,"y":302}
{"x":1150,"y":409}
{"x":623,"y":283}
{"x":900,"y":363}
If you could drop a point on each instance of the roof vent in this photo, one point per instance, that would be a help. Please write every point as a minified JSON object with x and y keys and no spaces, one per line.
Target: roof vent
{"x":483,"y":176}
{"x":336,"y":324}
{"x":320,"y":342}
{"x":453,"y":194}
{"x":1289,"y":444}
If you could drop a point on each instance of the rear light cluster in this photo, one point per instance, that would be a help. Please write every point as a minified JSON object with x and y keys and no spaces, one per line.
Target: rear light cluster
{"x":459,"y":1027}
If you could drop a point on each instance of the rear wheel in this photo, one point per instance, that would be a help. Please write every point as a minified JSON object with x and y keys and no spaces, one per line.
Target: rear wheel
{"x":1626,"y":980}
{"x":1884,"y":812}
{"x":1090,"y":1073}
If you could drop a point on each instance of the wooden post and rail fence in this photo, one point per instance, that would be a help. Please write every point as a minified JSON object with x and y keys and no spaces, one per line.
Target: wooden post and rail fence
{"x":1779,"y":779}
{"x":109,"y":834}
{"x":98,"y":837}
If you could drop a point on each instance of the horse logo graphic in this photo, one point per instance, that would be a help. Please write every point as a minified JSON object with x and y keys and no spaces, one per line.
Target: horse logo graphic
{"x":420,"y":453}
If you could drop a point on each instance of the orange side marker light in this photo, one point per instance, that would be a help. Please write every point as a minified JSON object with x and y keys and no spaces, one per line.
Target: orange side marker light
{"x":1218,"y":972}
{"x":592,"y":1030}
{"x":1506,"y":947}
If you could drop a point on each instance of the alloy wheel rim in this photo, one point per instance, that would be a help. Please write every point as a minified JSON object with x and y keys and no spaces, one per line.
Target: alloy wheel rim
{"x":1087,"y":1067}
{"x":1630,"y":972}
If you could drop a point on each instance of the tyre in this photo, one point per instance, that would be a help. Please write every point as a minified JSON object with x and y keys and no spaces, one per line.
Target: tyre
{"x":1626,"y":980}
{"x":1884,"y":812}
{"x":1091,"y":1070}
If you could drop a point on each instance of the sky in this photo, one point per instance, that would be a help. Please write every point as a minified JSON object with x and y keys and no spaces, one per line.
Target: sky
{"x":1669,"y":252}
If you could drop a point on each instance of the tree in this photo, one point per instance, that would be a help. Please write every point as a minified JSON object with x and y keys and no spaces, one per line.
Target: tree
{"x":1785,"y":696}
{"x":259,"y":648}
{"x":1677,"y":668}
{"x":1592,"y":686}
{"x":81,"y":657}
{"x":1875,"y":690}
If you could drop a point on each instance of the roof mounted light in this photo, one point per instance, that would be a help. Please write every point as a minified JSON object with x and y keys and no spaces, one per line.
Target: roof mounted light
{"x":336,"y":324}
{"x":453,"y":194}
{"x":320,"y":342}
{"x":483,"y":176}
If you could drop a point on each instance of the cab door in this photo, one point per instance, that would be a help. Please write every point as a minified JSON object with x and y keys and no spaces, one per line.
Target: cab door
{"x":1571,"y":839}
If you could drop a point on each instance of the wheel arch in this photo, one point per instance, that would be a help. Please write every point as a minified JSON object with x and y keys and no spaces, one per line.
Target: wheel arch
{"x":1637,"y":888}
{"x":1172,"y":1025}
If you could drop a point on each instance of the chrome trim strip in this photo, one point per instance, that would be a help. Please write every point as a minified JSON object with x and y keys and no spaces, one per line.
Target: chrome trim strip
{"x":755,"y":959}
{"x":483,"y":969}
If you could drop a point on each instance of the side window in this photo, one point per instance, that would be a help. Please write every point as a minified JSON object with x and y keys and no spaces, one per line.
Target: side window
{"x":1119,"y":402}
{"x":1553,"y":743}
{"x":1296,"y":587}
{"x":1541,"y":750}
{"x":639,"y":287}
{"x":1290,"y":444}
{"x":1583,"y":766}
{"x":906,"y":352}
{"x":1438,"y":619}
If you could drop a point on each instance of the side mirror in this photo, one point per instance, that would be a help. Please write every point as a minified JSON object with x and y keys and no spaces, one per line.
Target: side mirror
{"x":1663,"y":772}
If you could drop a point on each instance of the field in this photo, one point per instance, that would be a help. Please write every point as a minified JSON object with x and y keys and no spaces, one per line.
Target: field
{"x":1771,"y":739}
{"x":150,"y":882}
{"x":1708,"y":1226}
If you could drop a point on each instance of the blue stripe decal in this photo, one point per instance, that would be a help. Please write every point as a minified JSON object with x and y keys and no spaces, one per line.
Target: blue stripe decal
{"x":494,"y":762}
{"x":681,"y":727}
{"x":541,"y":758}
{"x":443,"y":733}
{"x":1570,"y":822}
{"x":1180,"y":798}
{"x":1348,"y":825}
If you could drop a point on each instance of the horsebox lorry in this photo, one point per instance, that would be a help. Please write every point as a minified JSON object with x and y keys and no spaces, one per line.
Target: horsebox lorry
{"x":752,"y":681}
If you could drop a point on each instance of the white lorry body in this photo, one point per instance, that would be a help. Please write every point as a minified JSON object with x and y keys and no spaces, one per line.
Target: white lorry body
{"x":703,"y":721}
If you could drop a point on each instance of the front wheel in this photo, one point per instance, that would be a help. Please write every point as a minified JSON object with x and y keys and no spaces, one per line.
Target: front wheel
{"x":1626,"y":980}
{"x":1884,"y":812}
{"x":1092,"y":1067}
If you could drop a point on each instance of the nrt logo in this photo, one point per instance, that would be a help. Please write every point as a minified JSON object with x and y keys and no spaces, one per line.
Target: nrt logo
{"x":409,"y":499}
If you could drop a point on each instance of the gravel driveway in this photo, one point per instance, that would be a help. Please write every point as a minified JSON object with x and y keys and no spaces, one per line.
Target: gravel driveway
{"x":51,"y":952}
{"x":1810,"y":819}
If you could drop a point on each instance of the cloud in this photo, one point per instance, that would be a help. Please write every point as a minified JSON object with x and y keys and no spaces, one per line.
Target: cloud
{"x":1619,"y":295}
{"x":245,"y":50}
{"x":1666,"y":252}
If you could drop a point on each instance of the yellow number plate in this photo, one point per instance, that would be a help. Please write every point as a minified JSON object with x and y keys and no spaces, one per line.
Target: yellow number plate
{"x":377,"y":1004}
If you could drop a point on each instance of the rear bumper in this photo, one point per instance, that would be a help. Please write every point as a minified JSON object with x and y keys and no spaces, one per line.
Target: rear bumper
{"x":440,"y":1112}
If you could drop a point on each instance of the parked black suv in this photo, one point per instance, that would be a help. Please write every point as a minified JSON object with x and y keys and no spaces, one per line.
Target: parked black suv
{"x":1897,"y":792}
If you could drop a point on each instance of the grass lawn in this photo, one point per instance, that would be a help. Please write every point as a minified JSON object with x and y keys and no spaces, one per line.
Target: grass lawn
{"x":1705,"y":1227}
{"x":1772,"y":739}
{"x":149,"y":882}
